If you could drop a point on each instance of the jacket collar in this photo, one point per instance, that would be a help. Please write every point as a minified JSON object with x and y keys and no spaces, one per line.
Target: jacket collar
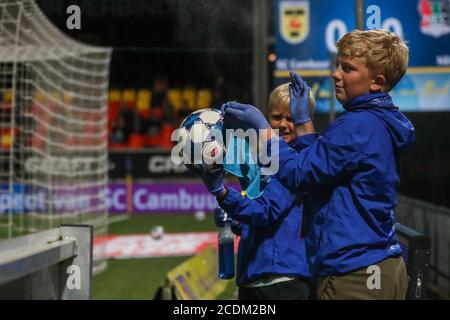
{"x":380,"y":99}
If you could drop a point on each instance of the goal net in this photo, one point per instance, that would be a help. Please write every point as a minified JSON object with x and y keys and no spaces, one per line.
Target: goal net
{"x":53,"y":125}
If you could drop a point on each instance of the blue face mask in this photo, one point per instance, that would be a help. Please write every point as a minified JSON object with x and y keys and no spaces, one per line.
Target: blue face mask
{"x":246,"y":169}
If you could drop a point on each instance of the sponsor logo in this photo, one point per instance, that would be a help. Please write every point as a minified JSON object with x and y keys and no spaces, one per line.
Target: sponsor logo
{"x":144,"y":246}
{"x":146,"y":198}
{"x":435,"y":17}
{"x":39,"y":200}
{"x":162,"y":164}
{"x":294,"y":21}
{"x":61,"y":165}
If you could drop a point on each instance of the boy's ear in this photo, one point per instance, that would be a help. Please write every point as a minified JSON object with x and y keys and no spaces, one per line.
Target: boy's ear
{"x":378,"y":83}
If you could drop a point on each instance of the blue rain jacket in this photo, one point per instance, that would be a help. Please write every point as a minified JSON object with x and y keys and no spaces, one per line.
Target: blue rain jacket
{"x":270,"y":230}
{"x":350,"y":174}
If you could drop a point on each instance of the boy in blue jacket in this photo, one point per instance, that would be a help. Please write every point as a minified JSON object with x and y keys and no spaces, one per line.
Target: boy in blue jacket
{"x":271,"y":261}
{"x":350,"y":172}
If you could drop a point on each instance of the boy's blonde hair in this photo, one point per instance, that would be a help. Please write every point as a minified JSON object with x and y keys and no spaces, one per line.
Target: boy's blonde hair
{"x":280,"y":95}
{"x":384,"y":51}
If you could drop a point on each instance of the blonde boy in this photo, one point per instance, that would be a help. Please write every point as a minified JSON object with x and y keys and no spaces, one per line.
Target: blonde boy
{"x":279,"y":114}
{"x":271,"y":256}
{"x":350,"y":171}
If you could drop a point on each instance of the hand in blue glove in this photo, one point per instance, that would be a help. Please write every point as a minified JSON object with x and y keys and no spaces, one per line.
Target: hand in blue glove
{"x":299,"y":105}
{"x":213,"y":178}
{"x":243,"y":116}
{"x":220,"y":217}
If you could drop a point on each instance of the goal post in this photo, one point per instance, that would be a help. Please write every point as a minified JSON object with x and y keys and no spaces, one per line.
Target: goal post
{"x":53,"y":125}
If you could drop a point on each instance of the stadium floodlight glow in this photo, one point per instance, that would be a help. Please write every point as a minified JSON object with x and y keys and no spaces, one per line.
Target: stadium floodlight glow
{"x":53,"y":125}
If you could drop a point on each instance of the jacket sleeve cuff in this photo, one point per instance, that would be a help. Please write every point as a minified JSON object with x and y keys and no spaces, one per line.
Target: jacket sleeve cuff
{"x":231,"y":201}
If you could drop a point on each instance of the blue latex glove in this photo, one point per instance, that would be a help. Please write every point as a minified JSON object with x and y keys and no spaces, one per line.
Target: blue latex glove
{"x":213,"y":178}
{"x":243,"y":116}
{"x":220,"y":217}
{"x":299,"y":105}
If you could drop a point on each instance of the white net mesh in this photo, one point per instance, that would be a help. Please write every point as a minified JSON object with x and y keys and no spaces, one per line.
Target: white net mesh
{"x":53,"y":125}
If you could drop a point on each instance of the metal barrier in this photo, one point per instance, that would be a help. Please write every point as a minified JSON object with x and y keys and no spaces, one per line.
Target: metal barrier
{"x":416,"y":254}
{"x":434,"y":222}
{"x":53,"y":264}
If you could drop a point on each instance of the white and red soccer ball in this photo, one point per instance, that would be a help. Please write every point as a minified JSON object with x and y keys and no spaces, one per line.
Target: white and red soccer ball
{"x":201,"y":135}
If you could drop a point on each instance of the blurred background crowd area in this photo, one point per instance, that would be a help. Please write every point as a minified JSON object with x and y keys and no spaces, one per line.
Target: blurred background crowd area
{"x":170,"y":57}
{"x":137,"y":118}
{"x":146,"y":118}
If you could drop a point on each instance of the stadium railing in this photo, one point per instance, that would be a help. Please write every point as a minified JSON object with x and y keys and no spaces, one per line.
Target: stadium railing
{"x":416,"y":254}
{"x":434,"y":222}
{"x":54,"y":264}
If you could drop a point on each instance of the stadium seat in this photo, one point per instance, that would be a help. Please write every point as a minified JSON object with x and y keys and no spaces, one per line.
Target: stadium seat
{"x":130,"y":104}
{"x":145,"y":114}
{"x":6,"y":100}
{"x":89,"y":128}
{"x":68,"y":98}
{"x":71,"y":141}
{"x":166,"y":134}
{"x":152,"y":141}
{"x":157,"y":113}
{"x":136,"y":141}
{"x":113,"y":145}
{"x":129,"y":98}
{"x":56,"y":95}
{"x":34,"y":108}
{"x":37,"y":143}
{"x":41,"y":129}
{"x":143,"y":103}
{"x":189,"y":96}
{"x":144,"y":98}
{"x":113,"y":111}
{"x":86,"y":141}
{"x":39,"y":96}
{"x":114,"y":95}
{"x":6,"y":140}
{"x":204,"y":98}
{"x":174,"y":98}
{"x":128,"y":95}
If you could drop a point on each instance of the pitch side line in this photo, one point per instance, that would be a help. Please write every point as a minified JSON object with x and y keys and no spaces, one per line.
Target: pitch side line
{"x":118,"y":218}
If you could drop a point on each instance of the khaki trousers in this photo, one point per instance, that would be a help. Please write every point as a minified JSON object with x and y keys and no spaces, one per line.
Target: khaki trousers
{"x":385,"y":280}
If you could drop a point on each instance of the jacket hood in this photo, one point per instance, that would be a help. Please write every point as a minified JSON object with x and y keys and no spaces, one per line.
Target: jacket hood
{"x":380,"y":104}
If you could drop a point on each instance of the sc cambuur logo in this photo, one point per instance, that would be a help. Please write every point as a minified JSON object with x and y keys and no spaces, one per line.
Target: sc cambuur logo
{"x":294,"y":21}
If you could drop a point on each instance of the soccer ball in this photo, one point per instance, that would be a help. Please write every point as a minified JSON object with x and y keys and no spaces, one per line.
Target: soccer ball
{"x":199,"y":215}
{"x":201,"y":135}
{"x":157,"y":232}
